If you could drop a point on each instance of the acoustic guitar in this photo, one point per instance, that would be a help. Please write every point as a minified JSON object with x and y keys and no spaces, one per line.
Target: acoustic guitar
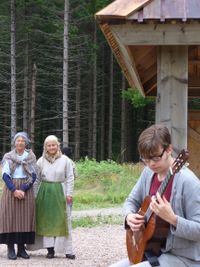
{"x":138,"y":242}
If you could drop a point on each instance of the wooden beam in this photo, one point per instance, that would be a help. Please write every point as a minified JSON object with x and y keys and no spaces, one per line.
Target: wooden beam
{"x":172,"y":93}
{"x":157,"y":34}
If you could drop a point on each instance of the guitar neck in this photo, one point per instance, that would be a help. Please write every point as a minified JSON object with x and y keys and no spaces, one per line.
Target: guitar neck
{"x":165,"y":183}
{"x":161,"y":191}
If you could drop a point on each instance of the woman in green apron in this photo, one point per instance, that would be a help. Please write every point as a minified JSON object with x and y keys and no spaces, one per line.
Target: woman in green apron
{"x":54,"y":189}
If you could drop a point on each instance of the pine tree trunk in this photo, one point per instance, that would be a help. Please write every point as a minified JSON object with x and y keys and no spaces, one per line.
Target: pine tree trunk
{"x":110,"y":127}
{"x":65,"y":76}
{"x":77,"y":118}
{"x":33,"y":97}
{"x":13,"y":70}
{"x":25,"y":99}
{"x":94,"y":120}
{"x":102,"y":140}
{"x":123,"y":122}
{"x":5,"y":122}
{"x":90,"y":114}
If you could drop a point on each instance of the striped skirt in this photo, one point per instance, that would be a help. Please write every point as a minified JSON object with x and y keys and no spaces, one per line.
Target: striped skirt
{"x":17,"y":217}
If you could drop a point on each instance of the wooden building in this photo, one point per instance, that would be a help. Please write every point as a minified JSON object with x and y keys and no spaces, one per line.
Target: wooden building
{"x":157,"y":45}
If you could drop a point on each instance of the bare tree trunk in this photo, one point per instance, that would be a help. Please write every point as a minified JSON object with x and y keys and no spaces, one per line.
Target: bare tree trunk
{"x":13,"y":70}
{"x":102,"y":140}
{"x":33,"y":97}
{"x":90,"y":117}
{"x":94,"y":120}
{"x":26,"y":73}
{"x":25,"y":99}
{"x":77,"y":118}
{"x":123,"y":117}
{"x":5,"y":122}
{"x":110,"y":109}
{"x":65,"y":76}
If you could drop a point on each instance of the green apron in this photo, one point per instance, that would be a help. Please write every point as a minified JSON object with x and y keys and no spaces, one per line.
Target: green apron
{"x":51,"y":215}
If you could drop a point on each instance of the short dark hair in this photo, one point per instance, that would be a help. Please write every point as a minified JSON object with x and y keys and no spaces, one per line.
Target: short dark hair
{"x":151,"y":138}
{"x":67,"y":151}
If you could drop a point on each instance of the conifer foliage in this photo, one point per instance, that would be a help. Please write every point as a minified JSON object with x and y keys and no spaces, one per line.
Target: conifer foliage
{"x":31,"y":81}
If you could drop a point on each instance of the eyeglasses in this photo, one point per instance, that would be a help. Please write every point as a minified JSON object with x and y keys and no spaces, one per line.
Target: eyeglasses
{"x":153,"y":158}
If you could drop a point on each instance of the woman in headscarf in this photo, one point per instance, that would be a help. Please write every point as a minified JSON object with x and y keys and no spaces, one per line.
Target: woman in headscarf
{"x":54,"y":188}
{"x":17,"y":206}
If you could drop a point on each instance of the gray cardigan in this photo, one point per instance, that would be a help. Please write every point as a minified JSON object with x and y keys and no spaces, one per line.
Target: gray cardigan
{"x":184,"y":240}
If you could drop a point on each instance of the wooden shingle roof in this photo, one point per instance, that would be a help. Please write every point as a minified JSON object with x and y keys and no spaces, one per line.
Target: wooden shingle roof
{"x":135,"y":29}
{"x":121,"y":9}
{"x":140,"y":10}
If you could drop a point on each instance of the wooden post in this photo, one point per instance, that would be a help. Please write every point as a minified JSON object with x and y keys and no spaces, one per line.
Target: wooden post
{"x":172,"y":93}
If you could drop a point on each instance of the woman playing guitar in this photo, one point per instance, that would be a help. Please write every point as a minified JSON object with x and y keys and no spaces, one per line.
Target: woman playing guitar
{"x":162,"y":212}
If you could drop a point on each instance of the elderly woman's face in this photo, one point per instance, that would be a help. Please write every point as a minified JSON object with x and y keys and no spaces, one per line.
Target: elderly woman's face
{"x":20,"y":144}
{"x":52,"y":148}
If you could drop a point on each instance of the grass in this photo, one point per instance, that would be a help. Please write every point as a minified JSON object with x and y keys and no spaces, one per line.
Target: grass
{"x":103,"y":184}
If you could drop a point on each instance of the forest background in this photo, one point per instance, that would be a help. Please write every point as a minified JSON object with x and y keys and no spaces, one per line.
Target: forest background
{"x":58,"y":76}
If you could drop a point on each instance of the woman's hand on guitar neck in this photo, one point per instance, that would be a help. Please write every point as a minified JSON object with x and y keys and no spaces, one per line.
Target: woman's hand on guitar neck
{"x":162,"y":208}
{"x":135,"y":221}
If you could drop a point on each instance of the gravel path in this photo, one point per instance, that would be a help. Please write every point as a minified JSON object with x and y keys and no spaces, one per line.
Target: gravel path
{"x":97,"y":212}
{"x":94,"y":247}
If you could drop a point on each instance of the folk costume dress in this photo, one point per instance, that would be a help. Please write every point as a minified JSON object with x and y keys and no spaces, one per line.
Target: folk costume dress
{"x":55,"y":182}
{"x":17,"y":217}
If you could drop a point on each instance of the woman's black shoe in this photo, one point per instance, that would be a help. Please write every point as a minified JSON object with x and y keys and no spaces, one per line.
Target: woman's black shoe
{"x":22,"y":252}
{"x":70,"y":256}
{"x":50,"y":254}
{"x":11,"y":252}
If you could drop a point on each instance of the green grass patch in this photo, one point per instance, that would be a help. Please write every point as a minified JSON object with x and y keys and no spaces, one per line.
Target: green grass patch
{"x":103,"y":184}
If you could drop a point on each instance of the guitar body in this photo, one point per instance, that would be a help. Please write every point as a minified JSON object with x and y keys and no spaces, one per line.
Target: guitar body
{"x":137,"y":242}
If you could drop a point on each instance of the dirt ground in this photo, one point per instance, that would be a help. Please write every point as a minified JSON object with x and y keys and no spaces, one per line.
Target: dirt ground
{"x":94,"y":247}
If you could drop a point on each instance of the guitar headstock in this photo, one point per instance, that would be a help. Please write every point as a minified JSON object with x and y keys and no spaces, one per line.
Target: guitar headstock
{"x":180,"y":160}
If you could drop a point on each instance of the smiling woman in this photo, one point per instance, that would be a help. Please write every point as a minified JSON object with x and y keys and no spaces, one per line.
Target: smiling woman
{"x":17,"y":208}
{"x":54,"y":189}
